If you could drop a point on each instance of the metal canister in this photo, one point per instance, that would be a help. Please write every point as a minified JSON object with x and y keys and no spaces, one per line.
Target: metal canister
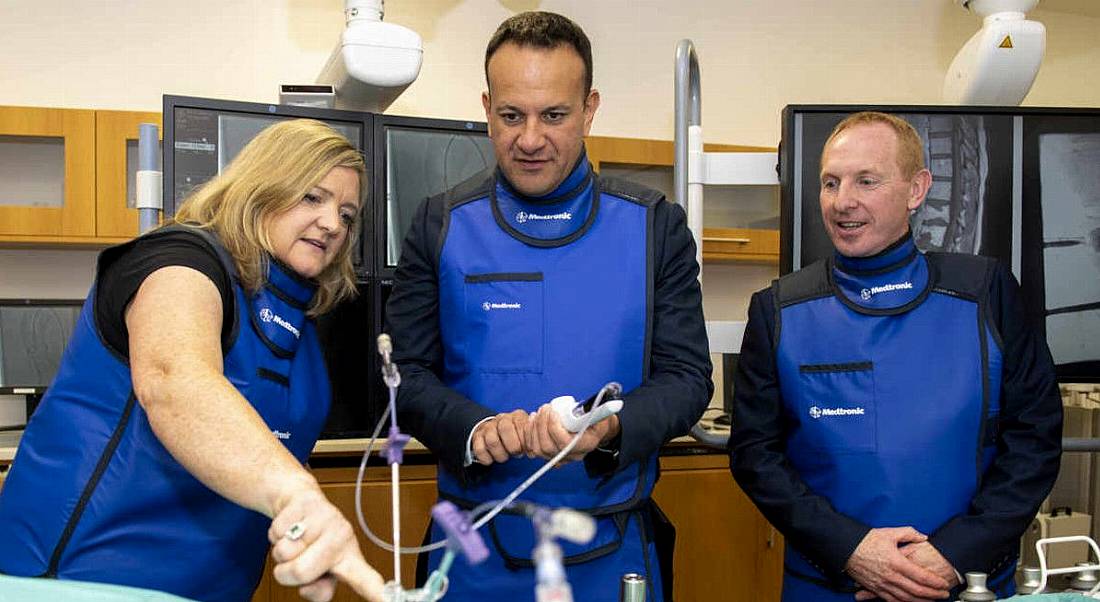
{"x":1084,"y":580}
{"x":1032,"y":581}
{"x":976,"y":591}
{"x":632,"y":588}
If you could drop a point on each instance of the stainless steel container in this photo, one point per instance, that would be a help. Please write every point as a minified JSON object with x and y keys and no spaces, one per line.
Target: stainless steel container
{"x":1085,"y":580}
{"x":976,"y":591}
{"x":632,"y":588}
{"x":1031,"y":582}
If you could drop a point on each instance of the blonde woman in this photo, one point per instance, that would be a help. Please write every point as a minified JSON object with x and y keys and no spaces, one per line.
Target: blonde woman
{"x":168,"y":453}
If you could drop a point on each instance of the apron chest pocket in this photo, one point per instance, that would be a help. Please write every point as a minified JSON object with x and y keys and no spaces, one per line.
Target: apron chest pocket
{"x":837,"y":406}
{"x":505,"y":320}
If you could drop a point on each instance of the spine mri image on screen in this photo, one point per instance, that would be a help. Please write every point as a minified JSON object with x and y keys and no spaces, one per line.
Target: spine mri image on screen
{"x":969,"y":205}
{"x":1070,"y":185}
{"x":955,"y":152}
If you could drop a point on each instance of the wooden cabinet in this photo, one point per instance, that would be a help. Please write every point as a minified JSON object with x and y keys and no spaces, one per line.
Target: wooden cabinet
{"x":93,"y":176}
{"x":725,"y":550}
{"x":650,"y":162}
{"x":47,"y":176}
{"x":116,"y":134}
{"x":740,"y":244}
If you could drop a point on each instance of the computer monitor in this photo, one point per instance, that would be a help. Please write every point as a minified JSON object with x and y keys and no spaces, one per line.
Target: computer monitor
{"x":416,"y":158}
{"x":202,"y":135}
{"x":420,"y":158}
{"x":33,"y":337}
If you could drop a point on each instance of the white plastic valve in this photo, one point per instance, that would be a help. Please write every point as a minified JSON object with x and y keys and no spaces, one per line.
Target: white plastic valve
{"x":575,"y":526}
{"x":572,"y":414}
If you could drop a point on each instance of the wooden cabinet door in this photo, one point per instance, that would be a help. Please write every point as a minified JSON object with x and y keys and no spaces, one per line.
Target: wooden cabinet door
{"x":116,"y":131}
{"x":725,"y":550}
{"x":30,"y":138}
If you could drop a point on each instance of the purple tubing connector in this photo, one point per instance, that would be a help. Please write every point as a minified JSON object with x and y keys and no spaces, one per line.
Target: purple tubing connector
{"x":395,"y":445}
{"x":460,"y":536}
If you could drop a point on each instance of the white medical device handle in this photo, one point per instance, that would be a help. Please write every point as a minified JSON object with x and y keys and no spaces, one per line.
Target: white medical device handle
{"x":1044,"y":572}
{"x":484,"y":512}
{"x":573,"y":417}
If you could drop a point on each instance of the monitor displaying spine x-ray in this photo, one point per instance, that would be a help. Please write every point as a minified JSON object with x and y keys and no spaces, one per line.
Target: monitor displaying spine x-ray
{"x":969,"y":205}
{"x":1061,"y":236}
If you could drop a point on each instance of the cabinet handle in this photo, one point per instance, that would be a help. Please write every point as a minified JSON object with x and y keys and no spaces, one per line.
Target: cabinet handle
{"x":771,"y":537}
{"x":740,"y":241}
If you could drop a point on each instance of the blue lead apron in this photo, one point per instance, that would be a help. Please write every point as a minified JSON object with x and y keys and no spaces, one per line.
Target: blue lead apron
{"x":540,"y":299}
{"x":93,"y":495}
{"x":888,"y":385}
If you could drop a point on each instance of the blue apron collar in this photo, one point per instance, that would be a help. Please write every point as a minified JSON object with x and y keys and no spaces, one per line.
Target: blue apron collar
{"x":550,"y":220}
{"x":284,"y":280}
{"x":569,"y":188}
{"x":892,"y":257}
{"x":277,"y":311}
{"x":892,"y":281}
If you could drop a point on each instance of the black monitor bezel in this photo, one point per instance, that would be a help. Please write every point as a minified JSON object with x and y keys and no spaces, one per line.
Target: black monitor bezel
{"x":787,"y":148}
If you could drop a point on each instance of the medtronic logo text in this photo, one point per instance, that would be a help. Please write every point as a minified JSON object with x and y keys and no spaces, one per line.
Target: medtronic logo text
{"x":269,"y":316}
{"x":816,"y":412}
{"x":487,"y":306}
{"x":522,"y":217}
{"x":867,"y":293}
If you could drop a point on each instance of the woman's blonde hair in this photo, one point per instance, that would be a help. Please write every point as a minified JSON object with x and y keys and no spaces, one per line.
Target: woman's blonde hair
{"x":269,"y":176}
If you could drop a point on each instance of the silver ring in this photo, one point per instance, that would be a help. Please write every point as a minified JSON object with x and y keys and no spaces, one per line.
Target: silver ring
{"x":296,"y":531}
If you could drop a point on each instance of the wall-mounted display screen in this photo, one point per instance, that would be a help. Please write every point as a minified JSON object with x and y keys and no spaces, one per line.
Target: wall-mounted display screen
{"x":422,"y":163}
{"x":33,"y":336}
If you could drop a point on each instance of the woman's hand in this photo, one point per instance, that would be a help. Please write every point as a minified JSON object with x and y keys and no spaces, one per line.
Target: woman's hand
{"x":313,"y":546}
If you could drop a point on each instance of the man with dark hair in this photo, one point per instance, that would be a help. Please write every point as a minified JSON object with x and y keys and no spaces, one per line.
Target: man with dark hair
{"x":546,"y":31}
{"x":540,"y":280}
{"x":895,"y":416}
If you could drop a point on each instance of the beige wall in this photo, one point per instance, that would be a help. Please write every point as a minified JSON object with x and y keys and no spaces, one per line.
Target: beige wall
{"x":756,"y":55}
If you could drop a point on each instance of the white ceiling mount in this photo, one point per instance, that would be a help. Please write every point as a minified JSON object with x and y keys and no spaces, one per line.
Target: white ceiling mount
{"x":374,"y":61}
{"x":998,"y":65}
